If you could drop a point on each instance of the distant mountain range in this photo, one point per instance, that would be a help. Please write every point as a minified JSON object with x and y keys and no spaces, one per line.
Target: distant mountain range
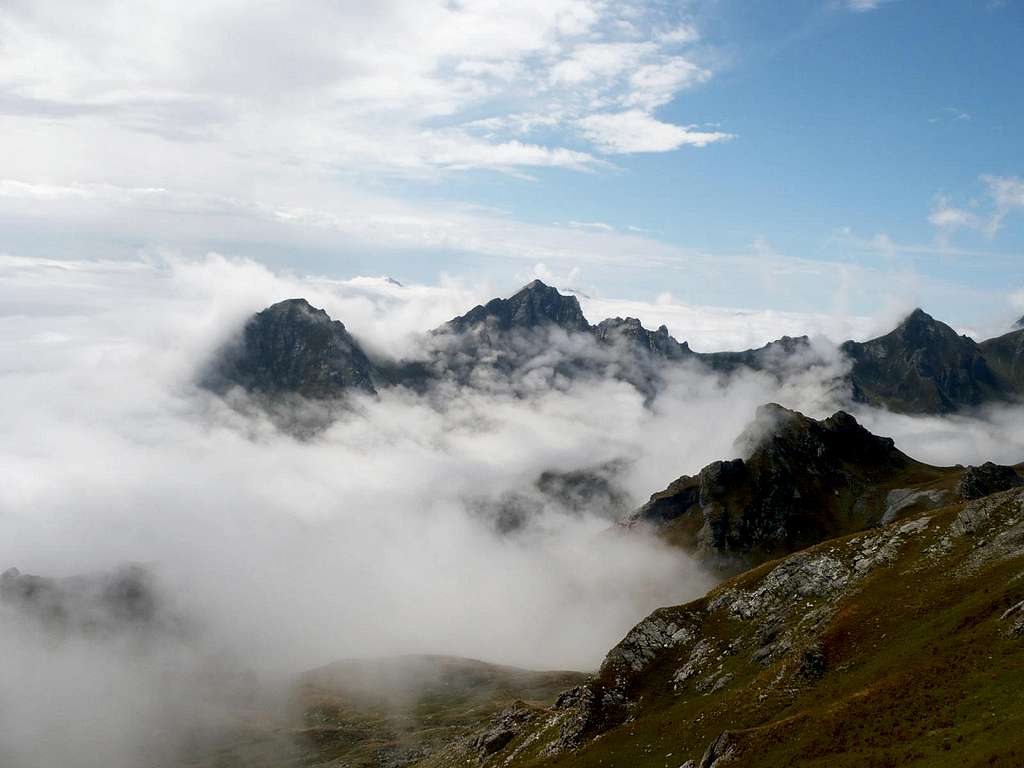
{"x":292,"y":348}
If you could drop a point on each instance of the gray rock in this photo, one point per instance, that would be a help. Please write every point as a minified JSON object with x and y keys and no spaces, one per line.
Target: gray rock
{"x":720,"y":752}
{"x":987,"y":479}
{"x":902,"y":499}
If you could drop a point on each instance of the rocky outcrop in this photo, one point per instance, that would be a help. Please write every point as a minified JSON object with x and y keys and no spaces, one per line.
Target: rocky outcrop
{"x":802,"y":481}
{"x":630,"y":333}
{"x":987,"y":479}
{"x":902,"y":500}
{"x":535,"y":306}
{"x":293,"y":348}
{"x":720,"y":752}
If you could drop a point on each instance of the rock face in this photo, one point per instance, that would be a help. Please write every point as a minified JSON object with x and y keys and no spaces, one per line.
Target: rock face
{"x":802,"y":481}
{"x":293,"y":348}
{"x":987,"y":479}
{"x":923,"y":366}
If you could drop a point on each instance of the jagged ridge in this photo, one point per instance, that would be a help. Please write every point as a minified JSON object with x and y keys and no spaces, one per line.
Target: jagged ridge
{"x":923,"y":366}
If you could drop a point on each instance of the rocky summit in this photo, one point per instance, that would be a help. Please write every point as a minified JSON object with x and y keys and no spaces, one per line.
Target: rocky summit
{"x":293,"y":348}
{"x":536,"y":305}
{"x":799,"y":481}
{"x":924,"y":366}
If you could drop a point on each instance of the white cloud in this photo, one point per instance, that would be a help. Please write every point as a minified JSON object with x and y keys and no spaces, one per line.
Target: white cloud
{"x":1007,"y":193}
{"x":598,"y":225}
{"x":591,"y":61}
{"x":1005,"y":197}
{"x":341,"y":86}
{"x":655,"y":84}
{"x":861,"y":6}
{"x":635,"y":130}
{"x":950,"y":218}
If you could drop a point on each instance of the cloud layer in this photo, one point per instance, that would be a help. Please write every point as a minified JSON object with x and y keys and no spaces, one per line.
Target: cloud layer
{"x":376,"y":537}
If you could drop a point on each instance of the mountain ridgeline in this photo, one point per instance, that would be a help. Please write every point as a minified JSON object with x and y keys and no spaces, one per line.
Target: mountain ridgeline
{"x":292,"y":348}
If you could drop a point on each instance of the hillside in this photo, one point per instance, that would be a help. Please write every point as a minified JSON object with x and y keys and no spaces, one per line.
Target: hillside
{"x":897,"y":646}
{"x":798,"y":481}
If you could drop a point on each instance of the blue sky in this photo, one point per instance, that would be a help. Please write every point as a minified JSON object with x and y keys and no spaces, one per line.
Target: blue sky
{"x":844,"y":156}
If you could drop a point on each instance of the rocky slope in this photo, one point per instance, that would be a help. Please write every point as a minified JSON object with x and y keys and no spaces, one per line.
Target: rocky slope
{"x":902,"y":645}
{"x":540,"y":337}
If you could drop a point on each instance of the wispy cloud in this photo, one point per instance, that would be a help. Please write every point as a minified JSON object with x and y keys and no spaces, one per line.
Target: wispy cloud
{"x":638,"y":131}
{"x":861,"y":6}
{"x":1004,"y":198}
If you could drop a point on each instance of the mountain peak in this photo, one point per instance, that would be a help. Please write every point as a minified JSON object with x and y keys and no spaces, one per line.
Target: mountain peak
{"x":293,"y":347}
{"x":919,"y":327}
{"x":799,"y":480}
{"x":535,"y":304}
{"x":299,"y":309}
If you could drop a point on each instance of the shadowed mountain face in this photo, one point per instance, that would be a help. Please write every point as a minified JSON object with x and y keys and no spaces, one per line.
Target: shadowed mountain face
{"x":540,"y":336}
{"x":1005,"y":356}
{"x":293,"y":348}
{"x":923,"y":366}
{"x":802,"y":481}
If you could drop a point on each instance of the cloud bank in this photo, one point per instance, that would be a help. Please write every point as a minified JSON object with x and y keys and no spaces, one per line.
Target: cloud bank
{"x":378,"y":536}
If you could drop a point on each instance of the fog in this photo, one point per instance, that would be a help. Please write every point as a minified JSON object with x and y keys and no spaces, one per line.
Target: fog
{"x":372,"y":537}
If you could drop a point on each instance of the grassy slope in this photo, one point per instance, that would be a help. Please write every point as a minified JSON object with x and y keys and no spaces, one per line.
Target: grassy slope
{"x":918,"y":667}
{"x":384,"y":712}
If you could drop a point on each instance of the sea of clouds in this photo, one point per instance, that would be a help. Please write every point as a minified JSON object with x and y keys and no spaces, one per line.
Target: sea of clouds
{"x":366,"y":539}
